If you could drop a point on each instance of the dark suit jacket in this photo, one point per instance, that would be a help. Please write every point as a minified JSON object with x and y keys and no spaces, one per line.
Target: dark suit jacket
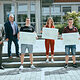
{"x":9,"y":30}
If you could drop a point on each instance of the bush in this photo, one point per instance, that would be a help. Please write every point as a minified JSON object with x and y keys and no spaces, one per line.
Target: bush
{"x":78,"y":27}
{"x":60,"y":27}
{"x":75,"y":17}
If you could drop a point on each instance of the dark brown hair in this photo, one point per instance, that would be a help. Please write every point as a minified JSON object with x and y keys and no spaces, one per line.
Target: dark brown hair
{"x":70,"y":19}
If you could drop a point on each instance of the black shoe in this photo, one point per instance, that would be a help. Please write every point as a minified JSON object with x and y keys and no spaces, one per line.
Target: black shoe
{"x":66,"y":65}
{"x":75,"y":65}
{"x":18,"y":56}
{"x":10,"y":57}
{"x":1,"y":67}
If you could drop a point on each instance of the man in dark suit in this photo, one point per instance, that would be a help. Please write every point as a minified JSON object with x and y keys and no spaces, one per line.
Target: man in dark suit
{"x":12,"y":34}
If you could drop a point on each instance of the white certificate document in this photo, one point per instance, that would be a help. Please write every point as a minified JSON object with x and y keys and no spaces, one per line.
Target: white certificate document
{"x":70,"y":38}
{"x":27,"y":38}
{"x":50,"y":33}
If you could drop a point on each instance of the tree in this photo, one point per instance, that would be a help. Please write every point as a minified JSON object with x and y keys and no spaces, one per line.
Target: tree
{"x":73,"y":15}
{"x":76,"y":18}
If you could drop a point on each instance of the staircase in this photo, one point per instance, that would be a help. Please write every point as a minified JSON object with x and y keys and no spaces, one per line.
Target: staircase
{"x":39,"y":60}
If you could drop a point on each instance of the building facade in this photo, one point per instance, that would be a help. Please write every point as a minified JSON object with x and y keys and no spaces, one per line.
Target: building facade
{"x":37,"y":10}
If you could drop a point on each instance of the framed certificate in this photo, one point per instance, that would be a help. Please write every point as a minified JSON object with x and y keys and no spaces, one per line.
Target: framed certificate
{"x":27,"y":38}
{"x":70,"y":38}
{"x":50,"y":33}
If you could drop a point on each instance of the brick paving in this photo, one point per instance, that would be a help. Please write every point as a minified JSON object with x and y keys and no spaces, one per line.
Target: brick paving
{"x":48,"y":73}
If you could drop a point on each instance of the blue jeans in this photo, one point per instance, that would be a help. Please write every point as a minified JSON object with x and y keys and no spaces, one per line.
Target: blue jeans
{"x":68,"y":47}
{"x":15,"y":40}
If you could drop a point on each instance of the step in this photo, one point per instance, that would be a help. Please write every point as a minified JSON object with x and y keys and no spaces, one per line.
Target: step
{"x":38,"y":58}
{"x":40,"y":54}
{"x":38,"y":64}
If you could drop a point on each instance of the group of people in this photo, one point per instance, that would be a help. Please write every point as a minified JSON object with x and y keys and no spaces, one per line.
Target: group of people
{"x":12,"y":34}
{"x":70,"y":28}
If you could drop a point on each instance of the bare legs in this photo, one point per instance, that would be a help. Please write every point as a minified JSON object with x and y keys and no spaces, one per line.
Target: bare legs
{"x":67,"y":58}
{"x":31,"y":58}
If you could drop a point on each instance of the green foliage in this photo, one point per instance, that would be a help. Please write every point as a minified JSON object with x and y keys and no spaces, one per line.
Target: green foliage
{"x":60,"y":27}
{"x":78,"y":27}
{"x":76,"y":18}
{"x":73,"y":15}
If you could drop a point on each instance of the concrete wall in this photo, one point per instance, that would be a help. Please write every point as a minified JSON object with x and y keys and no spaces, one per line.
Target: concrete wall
{"x":1,"y":14}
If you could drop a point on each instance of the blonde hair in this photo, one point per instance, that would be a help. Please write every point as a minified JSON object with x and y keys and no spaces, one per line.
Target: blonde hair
{"x":50,"y":18}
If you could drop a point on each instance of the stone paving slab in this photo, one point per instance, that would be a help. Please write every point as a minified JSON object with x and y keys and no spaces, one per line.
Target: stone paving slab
{"x":48,"y":73}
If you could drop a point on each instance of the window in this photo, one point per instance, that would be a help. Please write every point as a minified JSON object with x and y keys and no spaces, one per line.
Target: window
{"x":33,"y":8}
{"x":8,"y":9}
{"x":79,"y":8}
{"x":22,"y":14}
{"x":22,"y":8}
{"x":32,"y":13}
{"x":45,"y":13}
{"x":56,"y":18}
{"x":66,"y":9}
{"x":56,"y":13}
{"x":56,"y":10}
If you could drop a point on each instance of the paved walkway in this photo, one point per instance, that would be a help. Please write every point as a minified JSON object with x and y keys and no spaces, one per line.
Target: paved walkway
{"x":51,"y":73}
{"x":48,"y":73}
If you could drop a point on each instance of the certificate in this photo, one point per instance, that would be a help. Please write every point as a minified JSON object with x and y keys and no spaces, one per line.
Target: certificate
{"x":27,"y":38}
{"x":50,"y":33}
{"x":70,"y":38}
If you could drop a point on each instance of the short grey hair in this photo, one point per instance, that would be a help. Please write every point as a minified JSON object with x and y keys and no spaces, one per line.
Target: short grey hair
{"x":11,"y":15}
